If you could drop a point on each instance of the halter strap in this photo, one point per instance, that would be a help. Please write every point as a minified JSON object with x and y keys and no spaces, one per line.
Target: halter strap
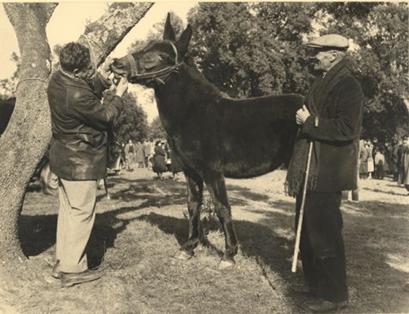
{"x":175,"y":51}
{"x":132,"y":63}
{"x":154,"y":75}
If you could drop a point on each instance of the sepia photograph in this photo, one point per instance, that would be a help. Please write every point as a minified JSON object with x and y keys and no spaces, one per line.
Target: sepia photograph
{"x":204,"y":157}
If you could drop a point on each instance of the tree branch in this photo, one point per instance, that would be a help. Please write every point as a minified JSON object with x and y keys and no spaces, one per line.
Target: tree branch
{"x":104,"y":35}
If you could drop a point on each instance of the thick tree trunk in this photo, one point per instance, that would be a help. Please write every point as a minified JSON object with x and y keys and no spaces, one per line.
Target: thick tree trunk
{"x":26,"y":138}
{"x":24,"y":141}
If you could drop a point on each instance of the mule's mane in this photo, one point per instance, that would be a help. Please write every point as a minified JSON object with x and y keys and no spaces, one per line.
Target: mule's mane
{"x":198,"y":78}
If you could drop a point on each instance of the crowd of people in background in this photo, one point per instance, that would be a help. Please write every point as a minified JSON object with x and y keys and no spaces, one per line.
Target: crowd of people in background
{"x":155,"y":155}
{"x":377,"y":160}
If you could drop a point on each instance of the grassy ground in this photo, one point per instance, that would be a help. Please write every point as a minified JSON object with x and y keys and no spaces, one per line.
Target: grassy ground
{"x":138,"y":233}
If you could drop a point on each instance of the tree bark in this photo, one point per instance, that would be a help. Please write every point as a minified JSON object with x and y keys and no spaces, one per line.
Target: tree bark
{"x":24,"y":141}
{"x":104,"y":35}
{"x":27,"y":136}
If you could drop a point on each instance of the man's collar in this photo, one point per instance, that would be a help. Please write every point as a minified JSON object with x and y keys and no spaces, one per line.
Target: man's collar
{"x":73,"y":80}
{"x":71,"y":75}
{"x":335,"y":68}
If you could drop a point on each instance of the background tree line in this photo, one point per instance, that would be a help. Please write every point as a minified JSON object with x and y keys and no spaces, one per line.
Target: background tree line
{"x":253,"y":49}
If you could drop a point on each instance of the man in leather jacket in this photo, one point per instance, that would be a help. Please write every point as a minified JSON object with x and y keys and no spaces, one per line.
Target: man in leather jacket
{"x":78,"y":154}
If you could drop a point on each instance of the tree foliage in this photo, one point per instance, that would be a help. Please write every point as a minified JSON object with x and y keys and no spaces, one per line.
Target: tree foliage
{"x":156,"y":130}
{"x":246,"y":51}
{"x":157,"y":31}
{"x":252,"y":49}
{"x":130,"y":125}
{"x":381,"y":32}
{"x":8,"y":85}
{"x":132,"y":122}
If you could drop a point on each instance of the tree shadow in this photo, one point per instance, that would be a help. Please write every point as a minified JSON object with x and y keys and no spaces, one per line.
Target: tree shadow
{"x":248,"y":193}
{"x":160,"y":191}
{"x":370,"y":264}
{"x":37,"y":233}
{"x":177,"y":227}
{"x":369,"y":227}
{"x":392,"y":184}
{"x":388,"y":192}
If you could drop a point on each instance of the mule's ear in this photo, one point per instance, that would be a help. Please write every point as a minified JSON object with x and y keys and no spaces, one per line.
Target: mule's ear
{"x":184,"y":40}
{"x":169,"y":32}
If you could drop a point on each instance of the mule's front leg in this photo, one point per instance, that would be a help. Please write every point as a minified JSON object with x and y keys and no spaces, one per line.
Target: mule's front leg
{"x":194,"y":201}
{"x":217,"y":189}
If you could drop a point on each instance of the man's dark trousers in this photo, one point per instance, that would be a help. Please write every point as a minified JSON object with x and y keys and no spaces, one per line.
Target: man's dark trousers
{"x":322,"y":246}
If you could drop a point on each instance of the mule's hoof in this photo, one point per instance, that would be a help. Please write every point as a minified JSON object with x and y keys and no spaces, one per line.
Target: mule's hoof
{"x":184,"y":256}
{"x":226,"y":264}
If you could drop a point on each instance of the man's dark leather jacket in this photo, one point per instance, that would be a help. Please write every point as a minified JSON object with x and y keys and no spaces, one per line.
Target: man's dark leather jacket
{"x":79,"y":119}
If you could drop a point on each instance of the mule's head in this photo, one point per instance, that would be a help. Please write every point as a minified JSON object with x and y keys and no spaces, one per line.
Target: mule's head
{"x":157,"y":60}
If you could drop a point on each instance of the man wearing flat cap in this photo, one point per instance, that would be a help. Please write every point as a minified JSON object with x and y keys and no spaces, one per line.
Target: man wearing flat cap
{"x":330,"y":121}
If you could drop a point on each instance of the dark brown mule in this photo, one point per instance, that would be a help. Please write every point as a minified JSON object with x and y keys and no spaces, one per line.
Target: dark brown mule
{"x":212,"y":136}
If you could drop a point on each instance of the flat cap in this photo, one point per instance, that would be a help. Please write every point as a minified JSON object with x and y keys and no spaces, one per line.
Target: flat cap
{"x":329,"y":41}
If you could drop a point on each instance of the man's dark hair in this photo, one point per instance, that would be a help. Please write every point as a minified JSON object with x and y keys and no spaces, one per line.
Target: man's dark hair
{"x":74,"y":56}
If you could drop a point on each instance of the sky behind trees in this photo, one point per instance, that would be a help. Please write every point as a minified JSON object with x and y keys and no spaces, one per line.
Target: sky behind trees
{"x":265,"y":50}
{"x":68,"y":23}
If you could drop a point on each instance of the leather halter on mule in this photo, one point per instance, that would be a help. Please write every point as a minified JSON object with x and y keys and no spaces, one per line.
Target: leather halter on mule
{"x":159,"y":76}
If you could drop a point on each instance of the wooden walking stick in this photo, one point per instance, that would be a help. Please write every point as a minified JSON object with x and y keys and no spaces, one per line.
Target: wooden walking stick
{"x":301,"y":215}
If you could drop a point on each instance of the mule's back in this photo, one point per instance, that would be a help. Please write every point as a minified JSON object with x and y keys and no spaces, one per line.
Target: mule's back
{"x":258,"y":134}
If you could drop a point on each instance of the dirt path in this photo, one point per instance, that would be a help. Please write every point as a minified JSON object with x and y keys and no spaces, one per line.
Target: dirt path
{"x":139,"y":231}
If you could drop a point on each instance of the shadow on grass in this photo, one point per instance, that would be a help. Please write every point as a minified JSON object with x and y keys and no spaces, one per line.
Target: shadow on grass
{"x":370,"y":250}
{"x":403,"y":191}
{"x":377,"y":209}
{"x":148,"y":189}
{"x":373,"y":238}
{"x":37,"y":233}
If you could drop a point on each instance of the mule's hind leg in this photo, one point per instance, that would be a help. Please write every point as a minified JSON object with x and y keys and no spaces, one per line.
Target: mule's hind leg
{"x":217,"y":189}
{"x":194,"y":201}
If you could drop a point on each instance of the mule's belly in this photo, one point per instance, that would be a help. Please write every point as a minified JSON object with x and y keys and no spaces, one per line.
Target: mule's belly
{"x":250,"y":152}
{"x":245,"y":161}
{"x":258,"y":134}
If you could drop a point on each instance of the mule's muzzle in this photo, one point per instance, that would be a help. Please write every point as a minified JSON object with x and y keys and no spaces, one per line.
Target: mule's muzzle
{"x":125,"y":67}
{"x":119,"y":69}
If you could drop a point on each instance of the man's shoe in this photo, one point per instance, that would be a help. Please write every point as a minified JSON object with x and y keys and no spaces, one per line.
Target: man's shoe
{"x":324,"y":306}
{"x":71,"y":279}
{"x":55,"y":273}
